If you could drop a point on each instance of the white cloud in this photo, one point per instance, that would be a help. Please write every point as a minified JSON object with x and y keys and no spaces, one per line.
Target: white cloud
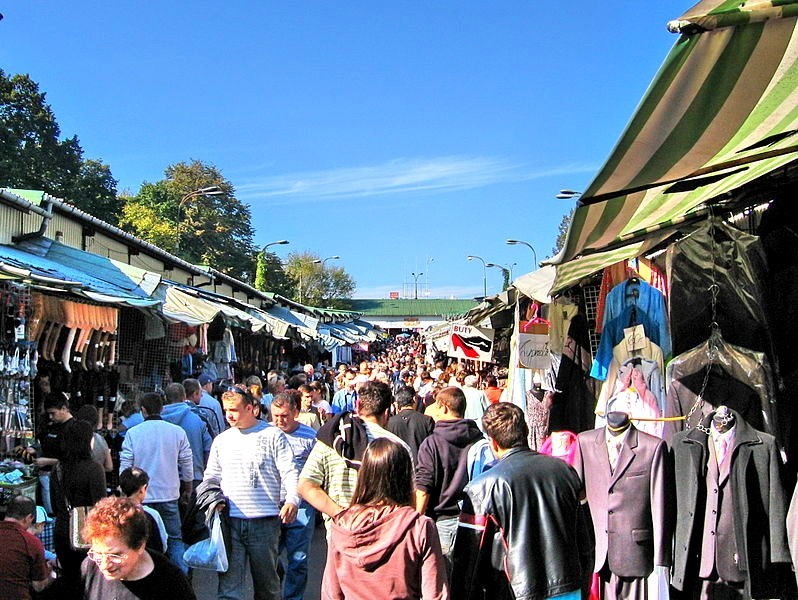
{"x":441,"y":174}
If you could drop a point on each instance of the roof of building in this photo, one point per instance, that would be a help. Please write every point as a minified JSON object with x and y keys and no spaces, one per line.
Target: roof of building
{"x":382,"y":307}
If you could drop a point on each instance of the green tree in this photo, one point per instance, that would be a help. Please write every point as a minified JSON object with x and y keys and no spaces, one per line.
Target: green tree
{"x":212,"y":228}
{"x":562,"y":231}
{"x":270,"y":276}
{"x":316,"y":284}
{"x":33,"y":157}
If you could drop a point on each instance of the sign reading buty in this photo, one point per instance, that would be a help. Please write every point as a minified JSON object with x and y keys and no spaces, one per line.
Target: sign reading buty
{"x":470,"y":342}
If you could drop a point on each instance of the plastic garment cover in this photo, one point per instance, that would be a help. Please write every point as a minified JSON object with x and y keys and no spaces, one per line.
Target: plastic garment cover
{"x":729,"y":375}
{"x":639,"y":391}
{"x":737,"y":261}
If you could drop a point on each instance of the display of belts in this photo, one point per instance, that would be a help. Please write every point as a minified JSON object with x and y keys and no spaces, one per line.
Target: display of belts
{"x":17,"y":366}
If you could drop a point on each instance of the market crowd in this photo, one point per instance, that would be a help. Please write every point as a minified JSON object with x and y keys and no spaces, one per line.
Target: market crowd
{"x":423,"y":477}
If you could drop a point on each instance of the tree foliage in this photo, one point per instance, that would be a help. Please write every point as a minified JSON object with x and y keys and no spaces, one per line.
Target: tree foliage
{"x":316,"y":284}
{"x":271,"y":277}
{"x":562,"y":231}
{"x":33,"y":157}
{"x":207,"y":229}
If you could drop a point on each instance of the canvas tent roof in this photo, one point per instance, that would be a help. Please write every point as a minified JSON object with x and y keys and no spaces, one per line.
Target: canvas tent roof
{"x":721,"y":114}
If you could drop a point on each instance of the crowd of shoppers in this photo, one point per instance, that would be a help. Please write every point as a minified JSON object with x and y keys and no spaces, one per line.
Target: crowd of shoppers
{"x":389,"y":450}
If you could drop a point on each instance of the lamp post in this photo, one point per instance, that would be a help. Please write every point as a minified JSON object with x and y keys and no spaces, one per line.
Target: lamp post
{"x":505,"y":273}
{"x":567,"y":194}
{"x":528,"y":245}
{"x":277,"y":243}
{"x":415,"y":281}
{"x":430,"y":259}
{"x":484,"y":273}
{"x":211,"y":190}
{"x":315,"y":262}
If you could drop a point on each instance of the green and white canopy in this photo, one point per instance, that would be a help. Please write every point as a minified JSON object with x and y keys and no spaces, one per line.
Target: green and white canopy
{"x":719,"y":118}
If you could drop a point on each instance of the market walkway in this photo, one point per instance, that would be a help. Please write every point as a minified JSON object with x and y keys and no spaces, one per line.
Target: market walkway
{"x":205,"y":581}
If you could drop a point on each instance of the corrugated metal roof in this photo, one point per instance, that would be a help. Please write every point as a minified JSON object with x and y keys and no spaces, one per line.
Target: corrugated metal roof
{"x":412,"y":308}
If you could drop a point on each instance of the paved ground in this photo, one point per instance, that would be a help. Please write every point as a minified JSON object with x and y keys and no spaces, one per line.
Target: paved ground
{"x":205,"y":581}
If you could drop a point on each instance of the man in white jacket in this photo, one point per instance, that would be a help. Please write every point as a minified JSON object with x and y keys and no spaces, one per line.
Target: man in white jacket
{"x":163,"y":451}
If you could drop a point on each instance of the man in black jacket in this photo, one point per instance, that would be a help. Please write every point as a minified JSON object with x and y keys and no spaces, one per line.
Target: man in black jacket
{"x":408,"y":423}
{"x":441,"y":472}
{"x":527,"y":506}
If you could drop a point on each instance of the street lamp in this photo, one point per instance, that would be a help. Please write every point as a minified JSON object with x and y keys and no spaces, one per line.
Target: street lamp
{"x":567,"y":194}
{"x":211,"y":190}
{"x":314,"y":262}
{"x":277,"y":243}
{"x":415,"y":279}
{"x":321,"y":262}
{"x":505,"y":273}
{"x":484,"y":274}
{"x":528,"y":245}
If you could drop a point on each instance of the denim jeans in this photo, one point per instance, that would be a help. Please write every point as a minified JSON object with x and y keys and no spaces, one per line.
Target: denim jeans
{"x":295,"y":538}
{"x":447,"y":530}
{"x":170,"y":513}
{"x":258,"y":541}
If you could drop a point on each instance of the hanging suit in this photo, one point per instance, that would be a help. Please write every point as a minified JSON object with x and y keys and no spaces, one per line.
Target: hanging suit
{"x":629,"y":506}
{"x":751,"y":513}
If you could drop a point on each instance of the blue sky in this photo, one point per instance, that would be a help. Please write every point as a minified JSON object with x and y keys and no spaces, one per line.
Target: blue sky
{"x":401,"y":136}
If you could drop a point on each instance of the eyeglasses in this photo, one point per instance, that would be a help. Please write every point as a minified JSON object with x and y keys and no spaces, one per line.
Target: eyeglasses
{"x":108,"y":556}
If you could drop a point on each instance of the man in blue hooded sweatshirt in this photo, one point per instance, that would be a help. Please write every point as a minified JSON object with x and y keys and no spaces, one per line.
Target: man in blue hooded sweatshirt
{"x":177,"y":412}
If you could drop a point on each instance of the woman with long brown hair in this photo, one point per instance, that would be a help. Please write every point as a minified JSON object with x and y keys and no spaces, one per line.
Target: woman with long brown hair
{"x":380,"y":547}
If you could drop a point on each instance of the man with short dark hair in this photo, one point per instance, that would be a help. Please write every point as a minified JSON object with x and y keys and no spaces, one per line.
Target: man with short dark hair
{"x":440,"y":472}
{"x":253,"y":466}
{"x":22,"y":564}
{"x":162,"y":449}
{"x":328,"y":479}
{"x":177,"y":411}
{"x":409,"y":424}
{"x":295,"y":537}
{"x":196,"y":402}
{"x":532,"y":501}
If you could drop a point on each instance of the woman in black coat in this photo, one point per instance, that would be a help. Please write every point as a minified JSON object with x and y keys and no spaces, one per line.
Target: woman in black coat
{"x":78,"y":480}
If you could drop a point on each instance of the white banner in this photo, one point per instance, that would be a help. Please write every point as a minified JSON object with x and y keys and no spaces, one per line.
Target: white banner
{"x":470,"y":342}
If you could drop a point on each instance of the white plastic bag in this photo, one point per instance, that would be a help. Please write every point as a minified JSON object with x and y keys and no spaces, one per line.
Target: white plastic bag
{"x":209,"y":554}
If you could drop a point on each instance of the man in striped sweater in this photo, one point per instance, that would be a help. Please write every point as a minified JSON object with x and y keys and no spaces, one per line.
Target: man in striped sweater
{"x":253,"y":461}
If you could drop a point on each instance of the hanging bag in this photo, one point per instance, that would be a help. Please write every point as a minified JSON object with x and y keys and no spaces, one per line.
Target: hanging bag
{"x":77,"y":517}
{"x":533,"y":341}
{"x":209,"y":554}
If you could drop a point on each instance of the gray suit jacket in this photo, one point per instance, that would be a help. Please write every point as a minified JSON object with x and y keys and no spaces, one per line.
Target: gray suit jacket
{"x":630,"y":510}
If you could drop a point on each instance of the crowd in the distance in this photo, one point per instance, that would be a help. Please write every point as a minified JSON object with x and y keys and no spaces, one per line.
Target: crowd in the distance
{"x":409,"y":461}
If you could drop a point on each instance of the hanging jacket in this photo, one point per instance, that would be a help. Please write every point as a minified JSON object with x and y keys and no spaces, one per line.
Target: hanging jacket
{"x":384,"y":552}
{"x":759,"y":507}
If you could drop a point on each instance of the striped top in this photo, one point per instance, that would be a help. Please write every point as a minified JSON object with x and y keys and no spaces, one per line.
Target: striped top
{"x":302,"y":439}
{"x":327,"y":469}
{"x":253,"y":465}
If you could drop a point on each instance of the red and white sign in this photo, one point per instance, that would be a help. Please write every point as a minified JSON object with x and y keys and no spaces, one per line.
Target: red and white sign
{"x":393,"y":295}
{"x":470,"y":342}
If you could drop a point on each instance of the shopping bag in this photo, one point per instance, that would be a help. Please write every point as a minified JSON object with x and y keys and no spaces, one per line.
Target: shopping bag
{"x":533,"y":351}
{"x":209,"y":554}
{"x":77,"y":517}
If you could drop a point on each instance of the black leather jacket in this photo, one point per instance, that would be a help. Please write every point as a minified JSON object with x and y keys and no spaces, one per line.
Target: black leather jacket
{"x":522,"y":533}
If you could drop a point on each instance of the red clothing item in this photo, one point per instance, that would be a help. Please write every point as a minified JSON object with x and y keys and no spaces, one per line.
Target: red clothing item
{"x":21,"y":561}
{"x":494,"y":394}
{"x":384,"y":553}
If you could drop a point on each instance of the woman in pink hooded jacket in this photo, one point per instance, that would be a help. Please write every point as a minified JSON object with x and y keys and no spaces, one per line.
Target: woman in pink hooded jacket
{"x":381,"y":548}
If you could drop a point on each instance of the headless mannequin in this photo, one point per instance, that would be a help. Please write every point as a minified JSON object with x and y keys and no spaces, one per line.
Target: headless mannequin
{"x":617,"y":422}
{"x":723,"y":419}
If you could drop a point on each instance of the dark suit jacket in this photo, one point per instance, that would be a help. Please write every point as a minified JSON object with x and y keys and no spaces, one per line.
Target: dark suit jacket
{"x":629,"y":507}
{"x":759,"y":501}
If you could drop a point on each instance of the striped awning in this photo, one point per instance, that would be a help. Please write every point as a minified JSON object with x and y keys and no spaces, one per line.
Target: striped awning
{"x":721,"y":113}
{"x":572,"y":272}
